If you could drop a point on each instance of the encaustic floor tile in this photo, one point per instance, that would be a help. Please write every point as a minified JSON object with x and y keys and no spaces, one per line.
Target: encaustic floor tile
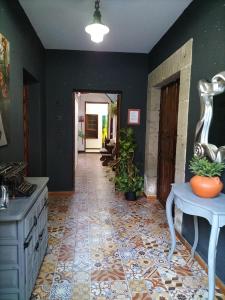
{"x":102,"y":247}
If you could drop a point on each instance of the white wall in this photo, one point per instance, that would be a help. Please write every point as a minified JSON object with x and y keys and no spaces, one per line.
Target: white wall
{"x":92,"y":97}
{"x":88,"y":97}
{"x":114,"y":128}
{"x":76,"y":130}
{"x":99,"y":109}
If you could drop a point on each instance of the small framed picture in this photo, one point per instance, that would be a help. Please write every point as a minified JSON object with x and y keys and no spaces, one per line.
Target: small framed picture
{"x":133,"y":116}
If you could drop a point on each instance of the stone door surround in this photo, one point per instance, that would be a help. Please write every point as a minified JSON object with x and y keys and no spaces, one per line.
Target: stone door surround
{"x":178,"y":65}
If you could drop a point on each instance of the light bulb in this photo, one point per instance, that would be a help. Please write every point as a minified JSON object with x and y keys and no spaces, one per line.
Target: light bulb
{"x":97,"y":31}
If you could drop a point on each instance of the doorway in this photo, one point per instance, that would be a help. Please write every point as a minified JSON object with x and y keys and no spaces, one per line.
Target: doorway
{"x":96,"y":120}
{"x":96,"y":125}
{"x":31,"y":124}
{"x":167,"y":139}
{"x":26,"y":150}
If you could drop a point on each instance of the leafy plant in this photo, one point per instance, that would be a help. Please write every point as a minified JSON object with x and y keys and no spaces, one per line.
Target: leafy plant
{"x":203,"y":167}
{"x":129,"y":183}
{"x":113,"y":109}
{"x":81,"y":134}
{"x":127,"y":177}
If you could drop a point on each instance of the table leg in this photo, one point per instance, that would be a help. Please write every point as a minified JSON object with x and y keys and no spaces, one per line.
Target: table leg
{"x":169,"y":205}
{"x":196,"y":236}
{"x":215,"y":230}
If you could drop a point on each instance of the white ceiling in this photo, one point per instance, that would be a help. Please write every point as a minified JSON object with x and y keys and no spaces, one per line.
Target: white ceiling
{"x":135,"y":25}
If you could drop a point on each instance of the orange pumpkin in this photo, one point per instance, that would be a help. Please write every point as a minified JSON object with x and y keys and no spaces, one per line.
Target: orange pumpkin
{"x":206,"y":187}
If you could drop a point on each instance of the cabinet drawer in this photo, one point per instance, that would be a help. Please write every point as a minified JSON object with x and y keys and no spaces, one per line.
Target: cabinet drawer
{"x":8,"y":230}
{"x":8,"y":254}
{"x":8,"y":279}
{"x":42,"y":220}
{"x":41,"y":202}
{"x":9,"y":297}
{"x":30,"y":221}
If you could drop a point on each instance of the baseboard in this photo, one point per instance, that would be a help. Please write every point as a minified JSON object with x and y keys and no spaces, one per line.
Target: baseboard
{"x":61,"y":193}
{"x":150,"y":197}
{"x":202,"y":263}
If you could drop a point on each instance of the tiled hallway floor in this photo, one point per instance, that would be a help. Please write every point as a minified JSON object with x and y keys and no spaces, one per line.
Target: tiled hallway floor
{"x":104,"y":247}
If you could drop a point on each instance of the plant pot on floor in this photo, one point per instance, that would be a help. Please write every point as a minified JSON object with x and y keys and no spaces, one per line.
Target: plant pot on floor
{"x":131,"y":196}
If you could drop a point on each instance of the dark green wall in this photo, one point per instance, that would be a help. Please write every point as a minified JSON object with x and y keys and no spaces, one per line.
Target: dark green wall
{"x":26,"y":52}
{"x":69,"y":70}
{"x":204,"y":21}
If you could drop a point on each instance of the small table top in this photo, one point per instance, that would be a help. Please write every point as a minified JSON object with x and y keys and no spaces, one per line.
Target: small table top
{"x":18,"y":207}
{"x":191,"y":204}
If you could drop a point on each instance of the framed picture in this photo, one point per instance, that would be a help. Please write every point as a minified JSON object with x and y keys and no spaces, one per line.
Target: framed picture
{"x":4,"y":90}
{"x":133,"y":116}
{"x":4,"y":68}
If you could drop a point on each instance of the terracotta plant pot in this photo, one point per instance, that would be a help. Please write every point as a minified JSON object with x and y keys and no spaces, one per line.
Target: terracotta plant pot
{"x":206,"y":187}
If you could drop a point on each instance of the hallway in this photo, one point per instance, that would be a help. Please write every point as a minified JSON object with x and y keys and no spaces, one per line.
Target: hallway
{"x":104,"y":247}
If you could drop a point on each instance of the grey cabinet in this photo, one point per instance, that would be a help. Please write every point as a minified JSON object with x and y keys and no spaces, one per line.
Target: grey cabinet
{"x":23,"y":242}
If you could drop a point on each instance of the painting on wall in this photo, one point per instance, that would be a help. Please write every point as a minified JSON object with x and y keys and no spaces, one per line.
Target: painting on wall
{"x":4,"y":68}
{"x":133,"y":116}
{"x":4,"y":89}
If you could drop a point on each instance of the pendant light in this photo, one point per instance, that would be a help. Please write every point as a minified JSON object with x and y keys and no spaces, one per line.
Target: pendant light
{"x":97,"y":30}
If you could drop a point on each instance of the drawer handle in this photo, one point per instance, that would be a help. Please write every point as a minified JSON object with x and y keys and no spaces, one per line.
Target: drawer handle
{"x":37,"y":246}
{"x":35,"y":221}
{"x":41,"y":234}
{"x":26,"y":244}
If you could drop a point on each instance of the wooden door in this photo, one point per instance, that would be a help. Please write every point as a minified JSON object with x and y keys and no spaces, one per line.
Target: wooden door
{"x":119,"y":97}
{"x":26,"y":127}
{"x":91,"y":126}
{"x":167,"y":139}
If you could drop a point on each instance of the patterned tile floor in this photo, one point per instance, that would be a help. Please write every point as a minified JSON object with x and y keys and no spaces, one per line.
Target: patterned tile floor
{"x":104,"y":247}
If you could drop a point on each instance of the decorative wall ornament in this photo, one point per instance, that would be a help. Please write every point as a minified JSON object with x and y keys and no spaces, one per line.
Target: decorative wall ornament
{"x":4,"y":67}
{"x":4,"y":89}
{"x":207,"y":90}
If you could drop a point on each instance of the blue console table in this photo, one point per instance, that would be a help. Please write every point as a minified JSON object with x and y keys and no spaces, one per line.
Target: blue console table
{"x":212,"y":209}
{"x":23,"y":241}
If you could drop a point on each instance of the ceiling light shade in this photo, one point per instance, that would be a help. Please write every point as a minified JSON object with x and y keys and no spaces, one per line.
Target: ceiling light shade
{"x":97,"y":30}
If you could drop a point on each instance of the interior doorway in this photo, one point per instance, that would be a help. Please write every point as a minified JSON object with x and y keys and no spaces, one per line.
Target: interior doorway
{"x":98,"y":118}
{"x":31,"y":124}
{"x":96,"y":121}
{"x":167,"y":139}
{"x":96,"y":125}
{"x":26,"y":150}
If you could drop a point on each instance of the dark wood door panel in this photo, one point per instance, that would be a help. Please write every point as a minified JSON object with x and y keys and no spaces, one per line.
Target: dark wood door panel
{"x":26,"y":127}
{"x":167,"y":139}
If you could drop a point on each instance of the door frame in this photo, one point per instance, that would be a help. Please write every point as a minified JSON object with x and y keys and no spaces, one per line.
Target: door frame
{"x":76,"y":90}
{"x":179,"y":62}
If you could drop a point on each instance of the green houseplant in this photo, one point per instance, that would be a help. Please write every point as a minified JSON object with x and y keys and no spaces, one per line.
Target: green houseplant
{"x":128,"y":179}
{"x":113,"y":109}
{"x":206,"y":183}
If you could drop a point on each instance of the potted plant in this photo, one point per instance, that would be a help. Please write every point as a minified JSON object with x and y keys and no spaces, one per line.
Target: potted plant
{"x":206,"y":183}
{"x":113,"y":109}
{"x":127,"y":179}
